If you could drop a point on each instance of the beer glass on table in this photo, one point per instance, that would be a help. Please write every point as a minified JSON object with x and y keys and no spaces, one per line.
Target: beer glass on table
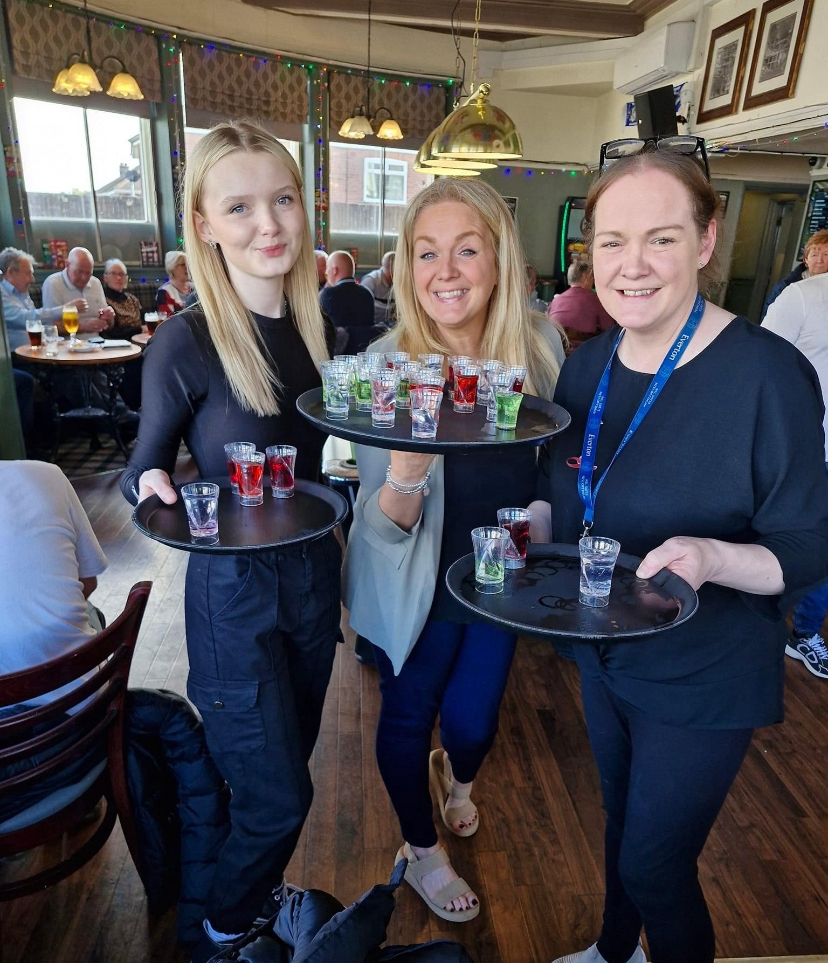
{"x":71,"y":322}
{"x":34,"y":329}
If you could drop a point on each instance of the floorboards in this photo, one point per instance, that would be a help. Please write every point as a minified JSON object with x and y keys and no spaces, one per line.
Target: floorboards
{"x":536,"y":861}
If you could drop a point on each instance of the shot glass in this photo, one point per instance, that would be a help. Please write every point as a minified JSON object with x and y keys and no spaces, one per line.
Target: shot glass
{"x":518,"y":372}
{"x":230,"y":451}
{"x":251,"y":473}
{"x":281,"y":460}
{"x":453,"y":361}
{"x":408,"y":372}
{"x":428,"y":377}
{"x":516,"y":522}
{"x":500,"y":380}
{"x":366,"y":362}
{"x":598,"y":558}
{"x":201,"y":504}
{"x":337,"y":382}
{"x":384,"y":383}
{"x":425,"y":410}
{"x":350,"y":360}
{"x":489,"y":555}
{"x":465,"y":386}
{"x":395,"y":356}
{"x":434,"y":361}
{"x":507,"y":403}
{"x":487,"y":368}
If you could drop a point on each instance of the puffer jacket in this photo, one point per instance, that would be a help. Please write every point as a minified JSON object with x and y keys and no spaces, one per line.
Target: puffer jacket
{"x":180,"y":803}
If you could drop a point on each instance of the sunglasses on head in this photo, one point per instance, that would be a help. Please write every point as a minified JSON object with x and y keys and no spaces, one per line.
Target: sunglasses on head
{"x":615,"y":150}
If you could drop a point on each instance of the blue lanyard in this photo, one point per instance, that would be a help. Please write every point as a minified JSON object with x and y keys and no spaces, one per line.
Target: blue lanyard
{"x":587,"y":493}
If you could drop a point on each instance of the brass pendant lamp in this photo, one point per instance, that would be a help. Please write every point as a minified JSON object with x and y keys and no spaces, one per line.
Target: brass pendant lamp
{"x":79,"y":79}
{"x":473,"y":137}
{"x":359,"y":125}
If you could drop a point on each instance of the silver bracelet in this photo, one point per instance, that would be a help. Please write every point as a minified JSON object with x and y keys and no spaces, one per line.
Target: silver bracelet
{"x":402,"y":488}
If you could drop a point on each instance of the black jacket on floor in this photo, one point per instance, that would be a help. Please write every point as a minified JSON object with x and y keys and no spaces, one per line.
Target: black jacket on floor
{"x":180,"y":803}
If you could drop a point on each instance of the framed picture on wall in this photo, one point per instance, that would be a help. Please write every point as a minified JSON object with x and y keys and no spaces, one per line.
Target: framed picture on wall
{"x":512,"y":204}
{"x":725,"y":69}
{"x":780,"y":40}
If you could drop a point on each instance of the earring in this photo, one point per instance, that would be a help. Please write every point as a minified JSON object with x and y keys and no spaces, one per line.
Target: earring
{"x":701,"y":265}
{"x":213,"y":245}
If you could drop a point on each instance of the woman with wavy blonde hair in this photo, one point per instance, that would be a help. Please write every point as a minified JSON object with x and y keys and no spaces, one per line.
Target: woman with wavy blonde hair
{"x":460,"y":289}
{"x":261,"y":629}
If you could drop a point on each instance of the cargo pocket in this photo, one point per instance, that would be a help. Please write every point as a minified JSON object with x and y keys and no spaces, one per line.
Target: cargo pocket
{"x":231,"y":713}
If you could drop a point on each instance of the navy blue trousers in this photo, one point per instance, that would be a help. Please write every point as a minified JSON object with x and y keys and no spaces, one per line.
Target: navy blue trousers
{"x":458,"y":672}
{"x":663,"y":787}
{"x":261,"y":638}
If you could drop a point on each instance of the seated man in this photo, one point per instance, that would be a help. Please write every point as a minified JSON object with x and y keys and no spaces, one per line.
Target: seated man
{"x":18,"y":307}
{"x":127,"y":307}
{"x":76,"y":281}
{"x":578,"y":310}
{"x":380,"y":284}
{"x":349,"y":306}
{"x":49,"y":563}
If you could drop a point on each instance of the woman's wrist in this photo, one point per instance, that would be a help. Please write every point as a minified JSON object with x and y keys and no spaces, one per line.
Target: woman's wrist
{"x":407,"y":486}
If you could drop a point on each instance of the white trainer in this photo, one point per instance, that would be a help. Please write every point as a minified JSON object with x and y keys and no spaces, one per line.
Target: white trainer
{"x":593,"y":956}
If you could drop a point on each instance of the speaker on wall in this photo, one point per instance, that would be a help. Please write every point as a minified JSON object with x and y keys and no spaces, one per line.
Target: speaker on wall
{"x":656,"y":112}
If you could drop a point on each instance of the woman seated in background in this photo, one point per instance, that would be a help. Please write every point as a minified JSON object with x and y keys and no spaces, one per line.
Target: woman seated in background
{"x":126,"y":306}
{"x":460,"y":289}
{"x":172,"y":295}
{"x":723,"y":483}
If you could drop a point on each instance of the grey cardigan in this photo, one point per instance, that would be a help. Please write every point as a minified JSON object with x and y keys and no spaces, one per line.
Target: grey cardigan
{"x":390,"y":575}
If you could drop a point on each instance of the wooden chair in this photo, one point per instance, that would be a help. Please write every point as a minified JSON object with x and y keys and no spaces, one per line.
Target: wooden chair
{"x":99,"y":720}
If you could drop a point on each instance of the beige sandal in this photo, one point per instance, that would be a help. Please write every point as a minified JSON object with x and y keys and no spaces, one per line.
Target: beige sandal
{"x":417,"y":868}
{"x":441,"y":786}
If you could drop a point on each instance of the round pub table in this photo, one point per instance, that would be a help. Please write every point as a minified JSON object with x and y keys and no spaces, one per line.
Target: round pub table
{"x":75,"y":372}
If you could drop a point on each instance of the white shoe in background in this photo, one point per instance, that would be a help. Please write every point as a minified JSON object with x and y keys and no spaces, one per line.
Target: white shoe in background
{"x":593,"y":956}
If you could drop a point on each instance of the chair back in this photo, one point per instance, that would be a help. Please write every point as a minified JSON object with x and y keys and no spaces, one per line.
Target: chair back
{"x":63,"y":732}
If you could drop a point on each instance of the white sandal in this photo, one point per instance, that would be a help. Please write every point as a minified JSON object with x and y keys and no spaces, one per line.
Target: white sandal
{"x":441,"y":786}
{"x":417,"y":868}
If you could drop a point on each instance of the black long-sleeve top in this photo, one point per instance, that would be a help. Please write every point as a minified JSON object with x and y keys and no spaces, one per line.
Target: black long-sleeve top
{"x":732,"y":450}
{"x":185,"y":395}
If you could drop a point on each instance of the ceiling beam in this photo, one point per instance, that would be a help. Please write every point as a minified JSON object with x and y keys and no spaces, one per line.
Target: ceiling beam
{"x":530,"y":17}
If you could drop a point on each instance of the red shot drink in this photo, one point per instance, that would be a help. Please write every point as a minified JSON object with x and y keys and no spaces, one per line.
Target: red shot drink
{"x":516,"y":522}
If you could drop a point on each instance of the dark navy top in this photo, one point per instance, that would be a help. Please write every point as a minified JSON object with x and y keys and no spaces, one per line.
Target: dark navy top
{"x":733,"y":450}
{"x":185,"y":395}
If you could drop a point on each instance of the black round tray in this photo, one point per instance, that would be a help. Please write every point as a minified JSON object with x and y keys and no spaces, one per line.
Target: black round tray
{"x":312,"y":511}
{"x":538,"y":420}
{"x":542,"y":598}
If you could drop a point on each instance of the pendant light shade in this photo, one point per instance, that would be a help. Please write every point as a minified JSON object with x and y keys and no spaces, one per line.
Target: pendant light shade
{"x":125,"y":87}
{"x":83,"y":77}
{"x":462,"y":170}
{"x":429,"y":160}
{"x":390,"y":130}
{"x":478,"y":130}
{"x":62,"y":85}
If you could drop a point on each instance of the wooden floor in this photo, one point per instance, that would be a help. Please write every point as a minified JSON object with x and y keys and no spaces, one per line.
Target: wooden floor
{"x":536,"y":861}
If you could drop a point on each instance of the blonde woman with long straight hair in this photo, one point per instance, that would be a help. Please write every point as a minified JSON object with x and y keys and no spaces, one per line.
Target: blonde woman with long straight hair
{"x":460,"y":289}
{"x":261,"y":629}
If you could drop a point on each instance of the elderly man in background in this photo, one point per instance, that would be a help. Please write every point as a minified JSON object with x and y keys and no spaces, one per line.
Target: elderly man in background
{"x":321,"y":267}
{"x":380,"y":284}
{"x":76,"y":281}
{"x":16,"y":267}
{"x":800,"y":315}
{"x":348,"y":304}
{"x":578,"y":310}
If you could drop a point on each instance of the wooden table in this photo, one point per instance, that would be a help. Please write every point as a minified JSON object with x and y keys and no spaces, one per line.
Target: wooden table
{"x":142,"y":339}
{"x":82,"y":366}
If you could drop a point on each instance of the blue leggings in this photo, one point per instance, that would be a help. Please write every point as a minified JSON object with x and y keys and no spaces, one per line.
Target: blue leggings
{"x":458,"y":672}
{"x":663,"y":787}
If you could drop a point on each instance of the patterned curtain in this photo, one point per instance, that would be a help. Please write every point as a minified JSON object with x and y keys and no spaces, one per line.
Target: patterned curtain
{"x":239,"y":86}
{"x":417,"y":108}
{"x":42,"y":39}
